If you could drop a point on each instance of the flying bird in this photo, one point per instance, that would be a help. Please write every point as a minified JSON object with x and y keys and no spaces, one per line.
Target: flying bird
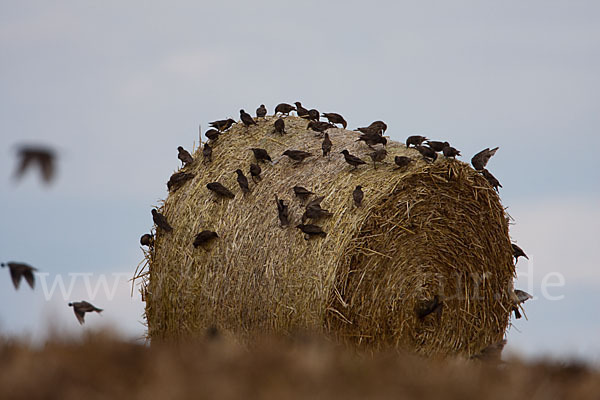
{"x":161,"y":221}
{"x":518,"y":252}
{"x":378,"y":156}
{"x":261,"y":155}
{"x":212,"y":134}
{"x":44,"y":158}
{"x":427,"y":152}
{"x":301,"y":111}
{"x":279,"y":126}
{"x":184,"y":156}
{"x":282,"y":212}
{"x":81,"y":307}
{"x":255,"y":171}
{"x":480,"y":160}
{"x":222,"y":125}
{"x":450,"y":152}
{"x":402,"y":161}
{"x":352,"y":160}
{"x":301,"y":192}
{"x":178,"y":179}
{"x":147,"y":240}
{"x":220,"y":190}
{"x":326,"y":145}
{"x":242,"y":181}
{"x":335,"y":119}
{"x":247,"y":118}
{"x":491,"y":179}
{"x":311,"y":230}
{"x":297,"y":155}
{"x":284,"y":108}
{"x":430,"y":306}
{"x":437,"y":146}
{"x":358,"y":196}
{"x":207,"y":152}
{"x":19,"y":271}
{"x":204,"y":237}
{"x":415,"y":140}
{"x":261,"y":111}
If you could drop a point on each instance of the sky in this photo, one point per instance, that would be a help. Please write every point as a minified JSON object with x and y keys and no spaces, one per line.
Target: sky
{"x":117,"y":86}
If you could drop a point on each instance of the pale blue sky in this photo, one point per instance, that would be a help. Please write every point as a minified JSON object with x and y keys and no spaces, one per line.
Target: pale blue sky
{"x":117,"y":86}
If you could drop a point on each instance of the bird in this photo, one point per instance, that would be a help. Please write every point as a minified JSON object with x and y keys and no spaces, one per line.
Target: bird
{"x":352,"y":160}
{"x":429,"y":306}
{"x":326,"y":145}
{"x":371,"y":139}
{"x":437,"y":146}
{"x":261,"y":155}
{"x":297,"y":155}
{"x":178,"y":179}
{"x":184,"y":156}
{"x":519,"y":297}
{"x":314,"y":115}
{"x":480,"y":160}
{"x":222,"y":125}
{"x":261,"y":111}
{"x":279,"y":126}
{"x":161,"y":221}
{"x":301,"y":192}
{"x":242,"y":181}
{"x":204,"y":237}
{"x":415,"y":140}
{"x":282,"y":212}
{"x":450,"y":152}
{"x":335,"y":119}
{"x":301,"y":111}
{"x":427,"y":152}
{"x":147,"y":240}
{"x":220,"y":190}
{"x":255,"y":171}
{"x":370,"y":130}
{"x":44,"y":158}
{"x":379,"y":124}
{"x":284,"y":108}
{"x":402,"y":161}
{"x":378,"y":156}
{"x":316,"y":202}
{"x":358,"y":195}
{"x":247,"y":118}
{"x":212,"y":134}
{"x":314,"y":211}
{"x":319,"y":126}
{"x":311,"y":230}
{"x":207,"y":152}
{"x":518,"y":252}
{"x":491,"y":179}
{"x":81,"y":307}
{"x":19,"y":271}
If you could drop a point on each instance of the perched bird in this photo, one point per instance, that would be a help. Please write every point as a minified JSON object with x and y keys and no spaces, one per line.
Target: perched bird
{"x":184,"y":156}
{"x":297,"y":155}
{"x":207,"y":152}
{"x":379,"y":124}
{"x":311,"y":230}
{"x":430,"y":306}
{"x":319,"y":126}
{"x":427,"y":152}
{"x":335,"y":119}
{"x":378,"y":156}
{"x":326,"y":145}
{"x":178,"y":179}
{"x":261,"y":155}
{"x":261,"y":111}
{"x":450,"y":152}
{"x":402,"y":161}
{"x":352,"y":160}
{"x":282,"y":212}
{"x":222,"y":125}
{"x":161,"y":221}
{"x":19,"y":271}
{"x":44,"y":158}
{"x":314,"y":211}
{"x":284,"y":108}
{"x":279,"y":126}
{"x":415,"y":140}
{"x":242,"y":181}
{"x":301,"y":111}
{"x":480,"y":160}
{"x":370,"y":130}
{"x":519,"y":297}
{"x":255,"y":171}
{"x":371,"y":139}
{"x":81,"y":307}
{"x":316,"y":202}
{"x":314,"y":115}
{"x":518,"y":252}
{"x":491,"y":352}
{"x":220,"y":190}
{"x":212,"y":134}
{"x":301,"y":192}
{"x":204,"y":237}
{"x":247,"y":118}
{"x":147,"y":240}
{"x":358,"y":196}
{"x":437,"y":146}
{"x":491,"y":179}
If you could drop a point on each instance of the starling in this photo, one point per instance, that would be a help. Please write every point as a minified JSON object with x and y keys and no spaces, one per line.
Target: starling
{"x":427,"y":152}
{"x":358,"y":195}
{"x":481,"y":159}
{"x":430,"y":306}
{"x":255,"y":171}
{"x":437,"y":146}
{"x":220,"y":190}
{"x":222,"y":125}
{"x":282,"y":212}
{"x":261,"y":155}
{"x":212,"y":134}
{"x":370,"y":130}
{"x":336,"y":119}
{"x":279,"y":126}
{"x":326,"y":145}
{"x":44,"y":158}
{"x":301,"y":192}
{"x":450,"y":152}
{"x":297,"y":155}
{"x":178,"y":179}
{"x":314,"y":211}
{"x":301,"y":111}
{"x":284,"y":108}
{"x":379,"y":124}
{"x":261,"y":111}
{"x":314,"y":115}
{"x":519,"y":297}
{"x":491,"y":179}
{"x":204,"y":237}
{"x":518,"y":252}
{"x":184,"y":156}
{"x":402,"y":161}
{"x":378,"y":156}
{"x":415,"y":140}
{"x":247,"y":118}
{"x":242,"y":181}
{"x":19,"y":271}
{"x":371,"y":139}
{"x":319,"y":126}
{"x":311,"y":230}
{"x":352,"y":160}
{"x":161,"y":221}
{"x":316,"y":202}
{"x":81,"y":307}
{"x":207,"y":152}
{"x":147,"y":240}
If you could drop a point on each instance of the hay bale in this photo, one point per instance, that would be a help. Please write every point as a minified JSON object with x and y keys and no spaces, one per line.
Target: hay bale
{"x":429,"y":229}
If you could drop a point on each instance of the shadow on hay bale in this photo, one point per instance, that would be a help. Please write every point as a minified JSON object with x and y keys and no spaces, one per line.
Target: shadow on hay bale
{"x":430,"y":229}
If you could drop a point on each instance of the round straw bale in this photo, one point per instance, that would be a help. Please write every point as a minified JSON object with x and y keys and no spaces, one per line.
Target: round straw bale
{"x":430,"y":231}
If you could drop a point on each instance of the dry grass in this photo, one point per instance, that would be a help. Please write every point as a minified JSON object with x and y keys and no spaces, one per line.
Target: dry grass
{"x":432,"y":228}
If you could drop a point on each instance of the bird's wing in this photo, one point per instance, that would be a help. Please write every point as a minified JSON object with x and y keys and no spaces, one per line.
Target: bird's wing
{"x":15,"y":275}
{"x":28,"y":275}
{"x":79,"y":314}
{"x":25,"y":162}
{"x":46,"y":163}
